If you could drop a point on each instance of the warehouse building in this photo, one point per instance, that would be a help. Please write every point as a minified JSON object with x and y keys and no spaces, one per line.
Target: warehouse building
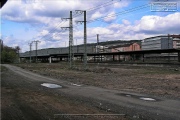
{"x":176,"y":43}
{"x":157,"y":42}
{"x":160,"y":43}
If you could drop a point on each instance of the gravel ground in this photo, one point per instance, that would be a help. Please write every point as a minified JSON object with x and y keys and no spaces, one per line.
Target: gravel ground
{"x":24,"y":99}
{"x":157,"y":81}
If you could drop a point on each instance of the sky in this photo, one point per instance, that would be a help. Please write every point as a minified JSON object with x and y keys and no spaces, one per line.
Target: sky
{"x":23,"y":21}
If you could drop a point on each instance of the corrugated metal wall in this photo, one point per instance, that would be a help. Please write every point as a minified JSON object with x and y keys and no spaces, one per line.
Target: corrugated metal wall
{"x":49,"y":51}
{"x":166,"y":44}
{"x":157,"y":43}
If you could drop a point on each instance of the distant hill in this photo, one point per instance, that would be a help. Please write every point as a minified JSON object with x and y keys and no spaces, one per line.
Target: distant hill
{"x":113,"y":42}
{"x":118,"y":42}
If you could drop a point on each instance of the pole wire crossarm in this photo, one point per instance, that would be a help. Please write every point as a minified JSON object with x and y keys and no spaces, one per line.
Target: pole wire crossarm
{"x":85,"y":36}
{"x":36,"y":43}
{"x":30,"y":49}
{"x":70,"y":55}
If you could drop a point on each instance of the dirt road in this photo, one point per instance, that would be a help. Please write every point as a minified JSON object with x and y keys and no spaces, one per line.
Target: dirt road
{"x":81,"y":99}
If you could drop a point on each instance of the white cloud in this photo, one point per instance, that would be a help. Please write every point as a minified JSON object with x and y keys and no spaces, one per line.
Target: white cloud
{"x":157,"y":24}
{"x":99,"y":30}
{"x":56,"y":36}
{"x":110,"y":17}
{"x":42,"y":44}
{"x":50,"y":13}
{"x":147,"y":26}
{"x":126,"y":22}
{"x":96,"y":15}
{"x":40,"y":11}
{"x":44,"y":32}
{"x":121,"y":4}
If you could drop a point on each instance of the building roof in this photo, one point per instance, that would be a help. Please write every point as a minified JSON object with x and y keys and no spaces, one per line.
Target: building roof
{"x":156,"y":37}
{"x":172,"y":36}
{"x":175,"y":36}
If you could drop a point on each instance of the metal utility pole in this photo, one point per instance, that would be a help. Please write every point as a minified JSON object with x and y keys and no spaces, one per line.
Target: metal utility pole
{"x":97,"y":43}
{"x":168,"y":41}
{"x":85,"y":37}
{"x":77,"y":46}
{"x":36,"y":42}
{"x":30,"y":47}
{"x":168,"y":48}
{"x":71,"y":55}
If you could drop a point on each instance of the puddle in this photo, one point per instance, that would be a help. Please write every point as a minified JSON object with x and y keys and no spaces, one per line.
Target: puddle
{"x":147,"y":99}
{"x":139,"y":97}
{"x":128,"y":95}
{"x":49,"y":85}
{"x":76,"y":85}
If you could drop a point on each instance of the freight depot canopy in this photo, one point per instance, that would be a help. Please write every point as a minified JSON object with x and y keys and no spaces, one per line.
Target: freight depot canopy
{"x":115,"y":53}
{"x":137,"y":52}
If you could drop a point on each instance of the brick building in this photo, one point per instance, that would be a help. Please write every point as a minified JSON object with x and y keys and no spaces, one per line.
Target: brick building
{"x":125,"y":47}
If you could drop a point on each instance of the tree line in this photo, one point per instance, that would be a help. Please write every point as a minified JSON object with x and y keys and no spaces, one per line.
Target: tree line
{"x":9,"y":54}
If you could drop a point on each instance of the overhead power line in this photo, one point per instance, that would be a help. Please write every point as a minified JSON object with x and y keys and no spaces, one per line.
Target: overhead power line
{"x":98,"y":7}
{"x":88,"y":10}
{"x":122,"y":12}
{"x":52,"y":30}
{"x":102,"y":5}
{"x":98,"y":19}
{"x":118,"y":13}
